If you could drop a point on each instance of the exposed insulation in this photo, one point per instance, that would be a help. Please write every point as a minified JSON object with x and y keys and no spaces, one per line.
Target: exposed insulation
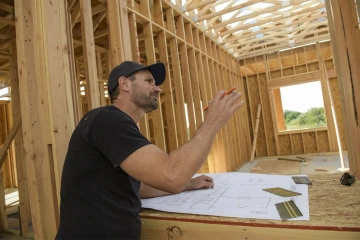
{"x":323,"y":141}
{"x":288,"y":71}
{"x":313,"y":66}
{"x":267,"y":115}
{"x":275,"y":74}
{"x":285,"y":144}
{"x":334,"y":87}
{"x":297,"y":143}
{"x":300,"y":69}
{"x":309,"y":139}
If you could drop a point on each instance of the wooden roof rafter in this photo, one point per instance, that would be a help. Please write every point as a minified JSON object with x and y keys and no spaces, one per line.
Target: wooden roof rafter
{"x":255,"y":26}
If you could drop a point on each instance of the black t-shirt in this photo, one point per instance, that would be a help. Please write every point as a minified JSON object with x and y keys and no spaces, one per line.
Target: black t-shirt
{"x":98,"y":199}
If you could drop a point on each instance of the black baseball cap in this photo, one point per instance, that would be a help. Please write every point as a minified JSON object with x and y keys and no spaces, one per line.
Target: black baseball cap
{"x":125,"y":69}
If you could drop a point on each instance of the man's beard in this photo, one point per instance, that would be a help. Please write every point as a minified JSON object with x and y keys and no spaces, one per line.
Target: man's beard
{"x":146,"y":102}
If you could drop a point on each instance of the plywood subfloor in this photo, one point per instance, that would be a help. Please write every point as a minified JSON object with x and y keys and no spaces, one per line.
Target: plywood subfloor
{"x":280,"y":167}
{"x":333,"y":207}
{"x":330,"y":163}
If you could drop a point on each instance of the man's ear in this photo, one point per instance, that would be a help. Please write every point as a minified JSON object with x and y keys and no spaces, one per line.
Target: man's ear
{"x":124,"y":83}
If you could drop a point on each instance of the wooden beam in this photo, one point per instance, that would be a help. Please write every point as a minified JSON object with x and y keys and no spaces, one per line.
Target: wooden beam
{"x":7,"y":21}
{"x":116,"y":53}
{"x":6,"y":7}
{"x":281,"y":46}
{"x":345,"y":36}
{"x":92,"y":87}
{"x":279,"y":110}
{"x":126,"y":42}
{"x":224,"y":11}
{"x":168,"y":95}
{"x":3,"y":216}
{"x":178,"y":83}
{"x":255,"y":133}
{"x":198,"y":5}
{"x":292,"y":80}
{"x":333,"y":114}
{"x":277,"y":27}
{"x":99,"y":19}
{"x":156,"y":116}
{"x":97,"y":48}
{"x":9,"y":139}
{"x":24,"y":204}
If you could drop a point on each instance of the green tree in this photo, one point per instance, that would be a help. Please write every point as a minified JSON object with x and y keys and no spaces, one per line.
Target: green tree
{"x":290,"y":115}
{"x":313,"y":118}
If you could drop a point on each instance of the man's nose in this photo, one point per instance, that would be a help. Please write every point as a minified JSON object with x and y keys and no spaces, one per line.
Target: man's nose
{"x":158,"y":89}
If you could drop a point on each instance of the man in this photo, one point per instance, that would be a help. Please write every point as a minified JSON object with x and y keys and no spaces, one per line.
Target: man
{"x":110,"y":165}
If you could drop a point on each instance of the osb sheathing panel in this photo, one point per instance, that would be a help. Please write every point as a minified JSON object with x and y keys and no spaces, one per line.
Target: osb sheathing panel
{"x":300,"y":69}
{"x":275,"y":74}
{"x":266,"y":110}
{"x":310,"y":56}
{"x":273,"y":64}
{"x":255,"y":100}
{"x":338,"y":110}
{"x":309,"y":142}
{"x":313,"y":66}
{"x":297,"y":143}
{"x":323,"y":141}
{"x":326,"y":53}
{"x":329,"y":64}
{"x":285,"y":144}
{"x":300,"y":58}
{"x":288,"y":71}
{"x":286,"y":61}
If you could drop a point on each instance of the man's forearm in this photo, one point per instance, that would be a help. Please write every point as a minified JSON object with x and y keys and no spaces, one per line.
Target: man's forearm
{"x":188,"y":158}
{"x":150,"y":192}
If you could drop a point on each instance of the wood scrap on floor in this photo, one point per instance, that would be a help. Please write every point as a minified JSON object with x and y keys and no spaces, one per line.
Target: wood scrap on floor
{"x":321,"y":170}
{"x":305,"y":159}
{"x":256,"y":169}
{"x":292,"y":159}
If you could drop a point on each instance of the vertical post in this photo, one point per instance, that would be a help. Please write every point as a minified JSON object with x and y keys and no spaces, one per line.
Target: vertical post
{"x":46,"y":105}
{"x":19,"y":156}
{"x":92,"y":85}
{"x":345,"y":38}
{"x":3,"y":216}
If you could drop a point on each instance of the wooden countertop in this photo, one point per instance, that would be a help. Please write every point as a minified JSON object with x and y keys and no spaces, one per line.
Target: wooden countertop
{"x":333,"y":206}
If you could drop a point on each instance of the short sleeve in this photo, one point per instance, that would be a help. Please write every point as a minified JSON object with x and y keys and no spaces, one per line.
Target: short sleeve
{"x":116,"y":136}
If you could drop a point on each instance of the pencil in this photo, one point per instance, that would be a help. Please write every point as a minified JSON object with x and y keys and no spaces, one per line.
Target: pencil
{"x":229,"y":91}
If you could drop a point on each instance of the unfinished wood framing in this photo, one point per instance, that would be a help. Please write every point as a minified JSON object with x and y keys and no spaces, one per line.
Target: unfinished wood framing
{"x":345,"y":34}
{"x":295,"y":66}
{"x":65,"y":76}
{"x":66,"y":49}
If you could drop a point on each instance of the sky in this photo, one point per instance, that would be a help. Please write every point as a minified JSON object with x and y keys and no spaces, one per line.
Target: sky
{"x":301,"y":97}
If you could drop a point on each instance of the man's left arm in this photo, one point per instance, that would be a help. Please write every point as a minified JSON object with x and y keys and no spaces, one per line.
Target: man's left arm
{"x":200,"y":182}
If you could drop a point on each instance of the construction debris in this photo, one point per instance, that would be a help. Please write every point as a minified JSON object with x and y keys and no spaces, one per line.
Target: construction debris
{"x":256,"y":169}
{"x":292,"y":159}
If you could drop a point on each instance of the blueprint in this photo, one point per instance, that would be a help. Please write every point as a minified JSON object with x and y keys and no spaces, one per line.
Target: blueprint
{"x":235,"y":195}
